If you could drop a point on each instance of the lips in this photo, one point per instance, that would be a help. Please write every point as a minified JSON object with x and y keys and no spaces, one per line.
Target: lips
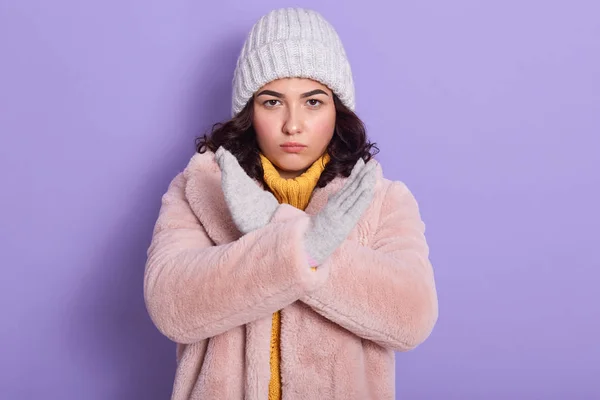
{"x":292,"y":144}
{"x":292,"y":147}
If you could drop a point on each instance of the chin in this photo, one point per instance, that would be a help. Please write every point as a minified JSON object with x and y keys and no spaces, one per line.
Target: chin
{"x":292,"y":166}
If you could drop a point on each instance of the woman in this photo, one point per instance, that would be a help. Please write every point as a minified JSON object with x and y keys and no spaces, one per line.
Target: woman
{"x":283,"y":264}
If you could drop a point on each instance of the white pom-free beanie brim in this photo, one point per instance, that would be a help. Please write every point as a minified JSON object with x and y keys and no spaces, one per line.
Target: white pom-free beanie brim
{"x":292,"y":42}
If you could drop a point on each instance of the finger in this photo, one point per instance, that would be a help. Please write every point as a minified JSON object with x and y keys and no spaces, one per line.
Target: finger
{"x":228,"y":160}
{"x":360,"y":163}
{"x":360,"y":204}
{"x":232,"y":165}
{"x":219,"y":156}
{"x":219,"y":151}
{"x":341,"y":202}
{"x":352,"y":184}
{"x":239,"y":185}
{"x":235,"y":174}
{"x":365,"y":193}
{"x":366,"y":180}
{"x":358,"y":166}
{"x":230,"y":174}
{"x":371,"y":181}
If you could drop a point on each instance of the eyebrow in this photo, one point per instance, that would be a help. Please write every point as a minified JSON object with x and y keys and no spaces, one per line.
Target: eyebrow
{"x":281,"y":95}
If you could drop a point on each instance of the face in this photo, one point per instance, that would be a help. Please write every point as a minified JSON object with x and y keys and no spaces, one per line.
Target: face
{"x":293,"y":110}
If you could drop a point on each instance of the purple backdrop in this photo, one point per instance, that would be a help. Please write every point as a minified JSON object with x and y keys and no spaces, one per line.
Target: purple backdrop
{"x":489,"y":111}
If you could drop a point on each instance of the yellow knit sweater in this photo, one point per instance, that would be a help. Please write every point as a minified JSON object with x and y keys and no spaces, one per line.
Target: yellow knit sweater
{"x":296,"y":192}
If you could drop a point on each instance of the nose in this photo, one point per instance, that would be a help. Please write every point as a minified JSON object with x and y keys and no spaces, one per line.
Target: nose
{"x":293,"y":122}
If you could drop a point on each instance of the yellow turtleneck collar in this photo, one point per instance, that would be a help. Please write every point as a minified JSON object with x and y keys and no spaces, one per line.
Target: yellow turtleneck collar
{"x":294,"y":191}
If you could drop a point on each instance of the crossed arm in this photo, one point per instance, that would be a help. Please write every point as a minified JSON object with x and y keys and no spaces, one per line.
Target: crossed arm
{"x":384,"y":293}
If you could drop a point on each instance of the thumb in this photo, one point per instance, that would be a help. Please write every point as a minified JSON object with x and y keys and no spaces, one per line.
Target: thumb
{"x":219,"y":156}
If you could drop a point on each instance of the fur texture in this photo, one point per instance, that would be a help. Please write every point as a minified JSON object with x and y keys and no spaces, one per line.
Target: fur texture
{"x":213,"y":292}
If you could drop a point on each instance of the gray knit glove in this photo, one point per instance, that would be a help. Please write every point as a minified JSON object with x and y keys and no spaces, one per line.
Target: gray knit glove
{"x":330,"y":227}
{"x":251,"y":207}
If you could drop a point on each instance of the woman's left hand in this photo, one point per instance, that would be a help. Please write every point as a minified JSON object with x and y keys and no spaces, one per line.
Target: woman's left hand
{"x":332,"y":225}
{"x":251,"y":207}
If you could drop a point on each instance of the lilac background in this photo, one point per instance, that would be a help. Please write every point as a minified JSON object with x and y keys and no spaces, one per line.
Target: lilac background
{"x":489,"y":111}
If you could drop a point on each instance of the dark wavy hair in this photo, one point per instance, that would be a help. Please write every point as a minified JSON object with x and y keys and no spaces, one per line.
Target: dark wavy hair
{"x":348,"y":144}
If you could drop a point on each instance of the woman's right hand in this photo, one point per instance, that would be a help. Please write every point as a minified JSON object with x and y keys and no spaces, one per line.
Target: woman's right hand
{"x":251,"y":207}
{"x":332,"y":225}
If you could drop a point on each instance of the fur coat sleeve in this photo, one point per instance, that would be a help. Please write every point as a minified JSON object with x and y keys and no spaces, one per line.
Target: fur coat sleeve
{"x":195,"y":289}
{"x":203,"y":279}
{"x":384,"y":292}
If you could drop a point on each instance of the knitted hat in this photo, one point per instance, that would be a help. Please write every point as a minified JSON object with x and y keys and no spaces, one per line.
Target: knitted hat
{"x":292,"y":42}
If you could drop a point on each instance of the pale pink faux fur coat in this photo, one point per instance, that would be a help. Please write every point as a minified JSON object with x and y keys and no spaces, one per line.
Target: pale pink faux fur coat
{"x":213,"y":292}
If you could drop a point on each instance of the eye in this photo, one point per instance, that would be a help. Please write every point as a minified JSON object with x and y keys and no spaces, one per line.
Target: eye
{"x":314,"y":102}
{"x":270,"y":103}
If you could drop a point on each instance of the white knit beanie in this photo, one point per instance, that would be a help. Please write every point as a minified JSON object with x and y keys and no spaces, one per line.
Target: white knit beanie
{"x":292,"y":42}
